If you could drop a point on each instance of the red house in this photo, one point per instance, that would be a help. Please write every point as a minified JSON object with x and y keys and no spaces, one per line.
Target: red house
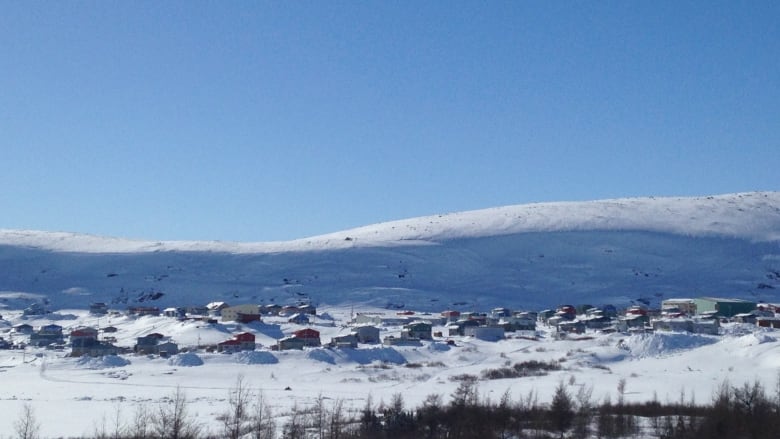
{"x":246,"y":341}
{"x":309,"y":336}
{"x":241,"y":342}
{"x":229,"y":346}
{"x":83,"y":333}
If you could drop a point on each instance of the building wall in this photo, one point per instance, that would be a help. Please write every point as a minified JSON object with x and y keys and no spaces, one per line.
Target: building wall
{"x":230,"y":314}
{"x":687,"y":306}
{"x":724,"y":307}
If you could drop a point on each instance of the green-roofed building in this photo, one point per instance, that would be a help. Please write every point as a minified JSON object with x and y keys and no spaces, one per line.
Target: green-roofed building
{"x":723,"y":307}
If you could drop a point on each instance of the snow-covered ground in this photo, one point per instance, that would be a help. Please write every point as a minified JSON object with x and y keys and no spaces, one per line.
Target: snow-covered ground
{"x":71,"y":396}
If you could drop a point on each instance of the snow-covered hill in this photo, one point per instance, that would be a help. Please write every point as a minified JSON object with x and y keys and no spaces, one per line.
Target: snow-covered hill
{"x":532,"y":256}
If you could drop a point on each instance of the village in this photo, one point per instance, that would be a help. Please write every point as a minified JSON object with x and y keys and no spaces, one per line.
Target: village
{"x":703,"y":315}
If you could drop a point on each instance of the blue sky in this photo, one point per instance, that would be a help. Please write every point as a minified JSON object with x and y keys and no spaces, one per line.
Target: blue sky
{"x":262,"y":121}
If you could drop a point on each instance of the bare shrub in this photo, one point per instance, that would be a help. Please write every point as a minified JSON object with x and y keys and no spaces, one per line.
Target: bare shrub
{"x":27,"y":425}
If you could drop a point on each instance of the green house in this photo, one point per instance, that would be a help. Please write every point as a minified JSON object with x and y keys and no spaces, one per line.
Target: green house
{"x":723,"y":307}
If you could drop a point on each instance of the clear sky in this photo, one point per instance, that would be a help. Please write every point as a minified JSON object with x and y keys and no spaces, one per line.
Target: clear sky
{"x":262,"y":121}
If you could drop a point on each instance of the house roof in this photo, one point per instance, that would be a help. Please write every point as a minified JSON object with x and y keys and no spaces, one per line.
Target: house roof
{"x":83,"y":332}
{"x":299,"y":317}
{"x":216,"y":305}
{"x":724,"y":300}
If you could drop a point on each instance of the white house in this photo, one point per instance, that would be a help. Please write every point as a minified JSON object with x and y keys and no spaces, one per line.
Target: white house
{"x":486,"y":333}
{"x":232,"y":313}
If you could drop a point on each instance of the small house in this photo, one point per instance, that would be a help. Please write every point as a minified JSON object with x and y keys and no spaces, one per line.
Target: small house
{"x":167,"y":348}
{"x":682,"y":306}
{"x":632,"y":322}
{"x":234,"y":313}
{"x":518,"y":322}
{"x":271,"y":309}
{"x":83,"y":333}
{"x":746,"y":317}
{"x":24,"y":328}
{"x":597,"y":320}
{"x":486,"y":333}
{"x":566,"y":312}
{"x":196,"y":310}
{"x":289,"y":343}
{"x":401,"y":341}
{"x":344,"y":341}
{"x":215,"y":308}
{"x":450,"y":315}
{"x":572,"y":327}
{"x":768,"y":322}
{"x":366,"y":334}
{"x":92,"y":348}
{"x":497,"y":313}
{"x":153,"y":344}
{"x":544,"y":315}
{"x":178,"y":313}
{"x":98,"y":308}
{"x":143,"y":311}
{"x":309,"y":336}
{"x":229,"y":346}
{"x":47,"y":335}
{"x":673,"y":325}
{"x":146,"y":344}
{"x":710,"y":327}
{"x":459,"y":327}
{"x":419,"y":330}
{"x":246,"y":341}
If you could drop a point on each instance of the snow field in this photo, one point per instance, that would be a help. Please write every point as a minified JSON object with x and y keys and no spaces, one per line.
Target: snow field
{"x":666,"y":366}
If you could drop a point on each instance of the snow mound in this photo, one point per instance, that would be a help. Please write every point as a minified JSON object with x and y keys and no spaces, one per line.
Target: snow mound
{"x":255,"y":357}
{"x":321,"y":355}
{"x":368,"y":356}
{"x":438,"y":347}
{"x":755,"y":339}
{"x":359,"y":356}
{"x":187,"y":359}
{"x":102,"y":362}
{"x":658,"y":345}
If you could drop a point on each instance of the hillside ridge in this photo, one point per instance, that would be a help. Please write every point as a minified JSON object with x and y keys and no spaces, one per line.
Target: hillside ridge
{"x":526,"y":256}
{"x":752,"y":215}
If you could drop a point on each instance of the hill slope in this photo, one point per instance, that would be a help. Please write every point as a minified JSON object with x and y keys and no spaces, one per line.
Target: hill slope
{"x":536,"y":255}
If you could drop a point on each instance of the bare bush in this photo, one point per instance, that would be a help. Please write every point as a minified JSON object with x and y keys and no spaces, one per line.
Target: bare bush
{"x":27,"y":425}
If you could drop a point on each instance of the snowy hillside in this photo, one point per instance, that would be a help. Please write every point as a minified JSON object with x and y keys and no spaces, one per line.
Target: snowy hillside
{"x":531,"y":256}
